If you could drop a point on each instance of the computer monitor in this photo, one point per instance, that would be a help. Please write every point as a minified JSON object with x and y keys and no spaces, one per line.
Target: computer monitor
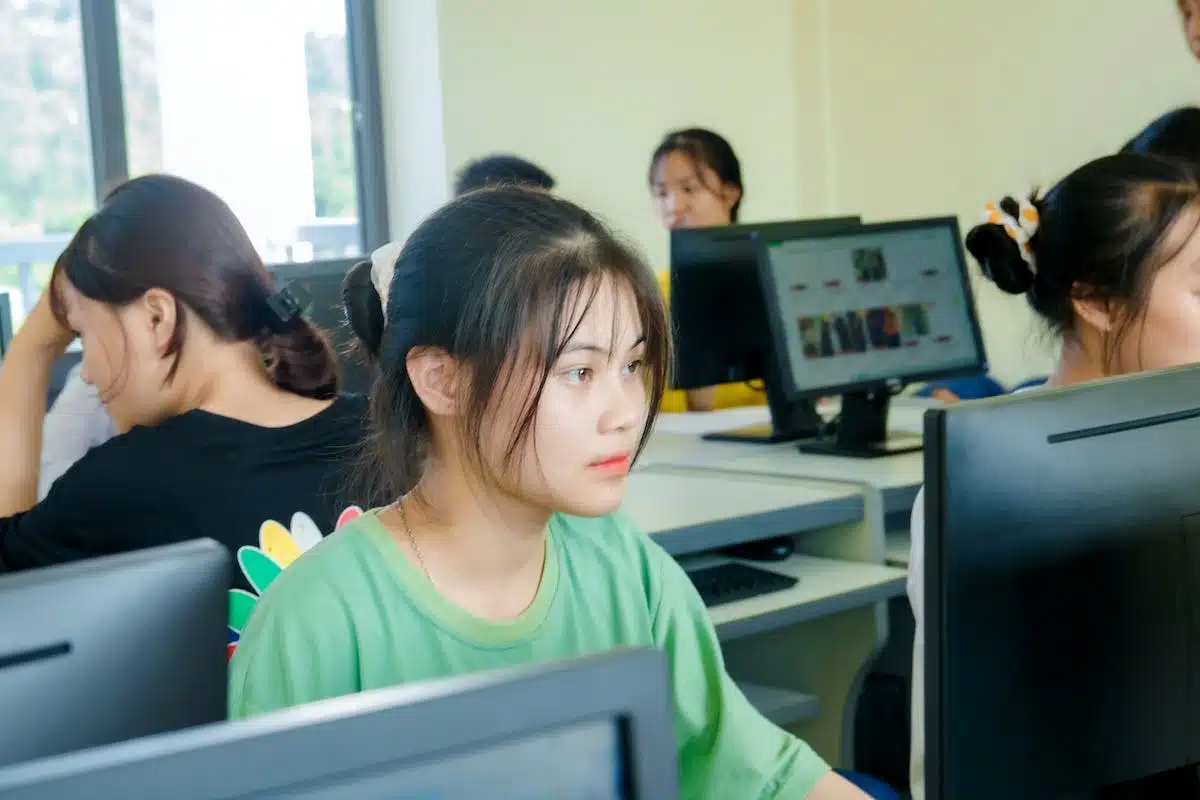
{"x":6,"y":322}
{"x":720,"y":320}
{"x":1062,"y":545}
{"x":598,"y":727}
{"x":323,"y":283}
{"x":861,"y":313}
{"x":113,"y":648}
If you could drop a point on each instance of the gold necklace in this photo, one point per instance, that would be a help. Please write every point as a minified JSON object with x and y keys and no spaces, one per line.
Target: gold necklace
{"x":412,"y":541}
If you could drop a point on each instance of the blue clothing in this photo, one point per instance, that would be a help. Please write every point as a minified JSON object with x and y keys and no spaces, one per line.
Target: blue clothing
{"x":973,"y":387}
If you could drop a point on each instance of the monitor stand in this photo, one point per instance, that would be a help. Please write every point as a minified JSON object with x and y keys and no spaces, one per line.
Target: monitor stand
{"x":791,"y":420}
{"x":862,"y":429}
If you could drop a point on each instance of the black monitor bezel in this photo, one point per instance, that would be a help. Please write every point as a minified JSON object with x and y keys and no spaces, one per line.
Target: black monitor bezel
{"x":776,"y":323}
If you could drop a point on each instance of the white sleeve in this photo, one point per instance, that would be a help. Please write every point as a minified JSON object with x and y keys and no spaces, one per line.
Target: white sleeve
{"x":916,"y":598}
{"x":76,"y":423}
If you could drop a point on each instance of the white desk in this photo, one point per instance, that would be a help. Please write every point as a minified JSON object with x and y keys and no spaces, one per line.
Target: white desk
{"x":690,"y":511}
{"x":825,"y":587}
{"x":897,"y":477}
{"x":677,"y":441}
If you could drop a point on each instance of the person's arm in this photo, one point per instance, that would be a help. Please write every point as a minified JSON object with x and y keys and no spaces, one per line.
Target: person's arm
{"x":916,"y":598}
{"x":75,"y":424}
{"x":726,"y":747}
{"x":702,"y":399}
{"x":111,"y":501}
{"x":24,"y":382}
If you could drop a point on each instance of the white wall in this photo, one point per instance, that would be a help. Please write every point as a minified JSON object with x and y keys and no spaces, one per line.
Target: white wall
{"x":938,"y":106}
{"x":411,"y":94}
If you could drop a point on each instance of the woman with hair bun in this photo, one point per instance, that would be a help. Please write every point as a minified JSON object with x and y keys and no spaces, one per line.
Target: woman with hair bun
{"x":223,"y":395}
{"x":1108,"y":261}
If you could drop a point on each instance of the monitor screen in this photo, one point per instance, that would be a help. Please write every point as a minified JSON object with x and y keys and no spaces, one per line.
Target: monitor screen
{"x":886,"y":303}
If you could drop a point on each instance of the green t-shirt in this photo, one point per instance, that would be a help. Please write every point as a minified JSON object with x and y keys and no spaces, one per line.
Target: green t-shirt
{"x":354,"y":614}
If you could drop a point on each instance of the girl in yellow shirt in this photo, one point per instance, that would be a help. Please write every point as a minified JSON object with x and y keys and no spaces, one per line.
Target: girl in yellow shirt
{"x":696,"y":180}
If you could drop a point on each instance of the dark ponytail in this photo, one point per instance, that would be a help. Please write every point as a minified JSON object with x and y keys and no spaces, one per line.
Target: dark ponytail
{"x":299,"y":359}
{"x":161,"y":231}
{"x":364,"y":310}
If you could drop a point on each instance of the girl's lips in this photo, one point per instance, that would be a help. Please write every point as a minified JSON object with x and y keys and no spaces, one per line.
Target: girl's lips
{"x":616,"y":465}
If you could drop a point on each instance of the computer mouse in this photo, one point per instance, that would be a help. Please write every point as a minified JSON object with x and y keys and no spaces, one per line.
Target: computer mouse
{"x":776,"y":549}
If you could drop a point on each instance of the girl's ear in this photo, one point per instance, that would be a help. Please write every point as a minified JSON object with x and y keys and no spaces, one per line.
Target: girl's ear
{"x":160,"y":313}
{"x":434,"y":374}
{"x":1097,"y":313}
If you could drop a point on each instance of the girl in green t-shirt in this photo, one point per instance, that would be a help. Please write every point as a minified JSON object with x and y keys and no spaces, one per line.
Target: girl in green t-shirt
{"x":521,"y":349}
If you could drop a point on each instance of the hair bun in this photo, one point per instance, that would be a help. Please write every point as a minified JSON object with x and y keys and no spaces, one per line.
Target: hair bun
{"x":1000,"y":258}
{"x":364,"y":308}
{"x":300,"y":360}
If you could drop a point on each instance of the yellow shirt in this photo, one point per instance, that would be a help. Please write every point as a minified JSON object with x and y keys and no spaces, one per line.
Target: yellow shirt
{"x":729,"y":395}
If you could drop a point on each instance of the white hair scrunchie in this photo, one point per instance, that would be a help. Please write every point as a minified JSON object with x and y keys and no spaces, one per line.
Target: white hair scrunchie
{"x":1020,"y":228}
{"x":383,"y":265}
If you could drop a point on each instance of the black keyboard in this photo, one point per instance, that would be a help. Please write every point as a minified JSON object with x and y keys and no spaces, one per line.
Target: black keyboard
{"x":726,"y":583}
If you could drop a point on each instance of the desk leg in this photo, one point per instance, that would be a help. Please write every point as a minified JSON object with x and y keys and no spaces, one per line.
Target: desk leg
{"x":827,"y":657}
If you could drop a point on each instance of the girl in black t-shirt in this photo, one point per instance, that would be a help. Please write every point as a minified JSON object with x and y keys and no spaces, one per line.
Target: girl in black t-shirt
{"x":226,"y":397}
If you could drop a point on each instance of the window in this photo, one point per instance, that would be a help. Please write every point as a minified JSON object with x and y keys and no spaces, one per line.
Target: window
{"x":46,"y":186}
{"x":272,"y":104}
{"x":252,"y":100}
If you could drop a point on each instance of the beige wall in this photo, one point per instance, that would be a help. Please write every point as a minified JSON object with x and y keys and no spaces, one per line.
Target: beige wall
{"x":885,"y":108}
{"x":936,"y":106}
{"x":587,"y":90}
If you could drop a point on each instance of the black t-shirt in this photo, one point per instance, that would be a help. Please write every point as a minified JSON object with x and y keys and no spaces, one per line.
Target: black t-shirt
{"x":265,"y":491}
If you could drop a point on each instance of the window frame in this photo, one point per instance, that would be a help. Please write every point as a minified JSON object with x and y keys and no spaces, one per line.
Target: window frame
{"x":105,"y":97}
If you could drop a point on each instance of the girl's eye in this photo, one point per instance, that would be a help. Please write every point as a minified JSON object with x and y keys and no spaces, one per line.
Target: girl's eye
{"x":579,"y":375}
{"x":633,"y":367}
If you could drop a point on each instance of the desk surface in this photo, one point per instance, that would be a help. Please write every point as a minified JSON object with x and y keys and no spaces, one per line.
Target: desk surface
{"x":826,"y":587}
{"x":689,"y":510}
{"x":676,"y":441}
{"x":898,"y":477}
